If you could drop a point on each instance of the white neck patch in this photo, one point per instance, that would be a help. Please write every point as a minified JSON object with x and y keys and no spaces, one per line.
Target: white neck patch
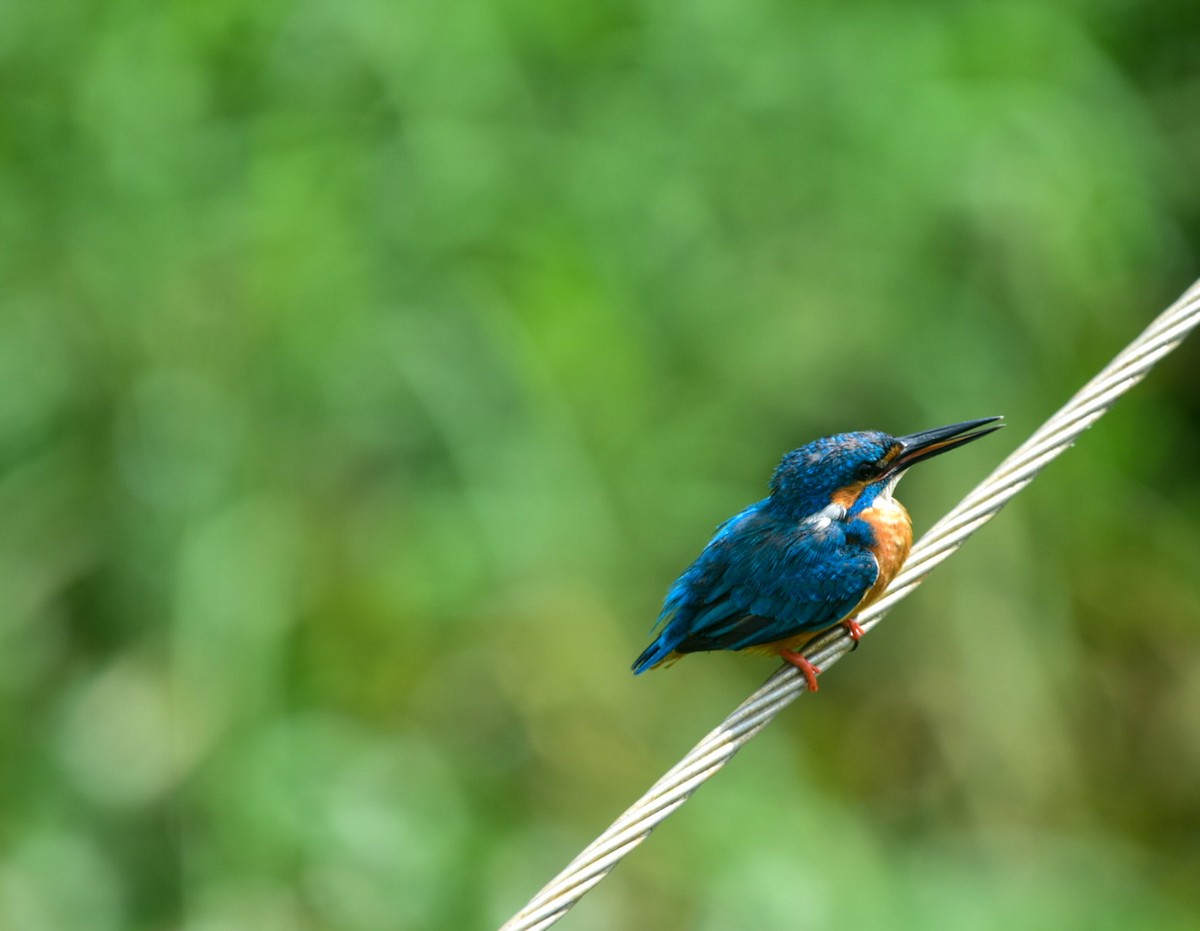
{"x":825,"y":517}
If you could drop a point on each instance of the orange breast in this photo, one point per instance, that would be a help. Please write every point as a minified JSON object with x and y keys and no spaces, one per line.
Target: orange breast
{"x":893,"y":540}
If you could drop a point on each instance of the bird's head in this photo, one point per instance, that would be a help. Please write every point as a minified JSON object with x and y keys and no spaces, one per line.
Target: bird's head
{"x":853,"y":469}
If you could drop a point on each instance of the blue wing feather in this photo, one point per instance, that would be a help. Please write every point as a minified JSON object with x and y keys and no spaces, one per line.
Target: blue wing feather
{"x":762,"y":579}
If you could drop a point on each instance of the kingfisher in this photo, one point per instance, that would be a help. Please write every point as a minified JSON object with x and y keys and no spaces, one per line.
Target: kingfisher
{"x":823,"y":545}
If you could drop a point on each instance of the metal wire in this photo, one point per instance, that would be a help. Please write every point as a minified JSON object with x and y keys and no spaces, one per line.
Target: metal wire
{"x":946,"y":536}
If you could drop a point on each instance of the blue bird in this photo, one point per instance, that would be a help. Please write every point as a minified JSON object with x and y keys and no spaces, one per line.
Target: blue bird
{"x":819,"y":548}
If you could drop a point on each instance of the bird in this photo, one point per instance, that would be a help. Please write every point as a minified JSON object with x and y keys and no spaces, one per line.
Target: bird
{"x":822,"y":545}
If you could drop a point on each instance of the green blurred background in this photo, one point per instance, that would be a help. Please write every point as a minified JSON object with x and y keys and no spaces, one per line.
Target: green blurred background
{"x":369,"y":370}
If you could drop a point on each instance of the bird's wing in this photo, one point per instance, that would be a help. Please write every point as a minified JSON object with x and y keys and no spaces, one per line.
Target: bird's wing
{"x":759,"y":581}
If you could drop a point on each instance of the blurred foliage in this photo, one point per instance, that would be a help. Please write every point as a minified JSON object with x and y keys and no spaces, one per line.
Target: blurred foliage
{"x":369,"y":370}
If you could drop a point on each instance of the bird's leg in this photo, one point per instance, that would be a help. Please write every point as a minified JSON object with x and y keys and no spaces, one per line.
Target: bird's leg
{"x":855,"y":629}
{"x":807,"y":669}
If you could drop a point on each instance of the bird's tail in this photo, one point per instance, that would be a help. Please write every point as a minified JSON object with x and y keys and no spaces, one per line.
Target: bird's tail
{"x":661,"y":650}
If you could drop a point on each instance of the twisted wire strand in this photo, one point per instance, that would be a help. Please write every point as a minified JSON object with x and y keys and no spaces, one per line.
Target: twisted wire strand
{"x":1058,"y":433}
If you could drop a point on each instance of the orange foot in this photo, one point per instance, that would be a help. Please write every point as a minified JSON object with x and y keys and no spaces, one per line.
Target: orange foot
{"x":809,"y":671}
{"x":856,"y":631}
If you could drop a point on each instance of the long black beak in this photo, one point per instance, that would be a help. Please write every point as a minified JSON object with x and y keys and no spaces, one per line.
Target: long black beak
{"x":919,"y":446}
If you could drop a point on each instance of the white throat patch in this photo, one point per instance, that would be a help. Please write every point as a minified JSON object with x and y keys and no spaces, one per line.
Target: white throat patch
{"x":886,"y":494}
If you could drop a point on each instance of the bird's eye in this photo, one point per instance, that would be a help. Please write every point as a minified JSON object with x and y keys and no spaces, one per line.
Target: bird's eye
{"x":866,"y":470}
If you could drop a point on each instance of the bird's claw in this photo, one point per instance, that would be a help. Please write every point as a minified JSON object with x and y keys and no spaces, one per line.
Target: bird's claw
{"x":807,"y":669}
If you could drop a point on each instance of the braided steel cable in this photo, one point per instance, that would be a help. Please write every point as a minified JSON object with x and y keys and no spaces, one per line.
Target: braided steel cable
{"x":947,"y":535}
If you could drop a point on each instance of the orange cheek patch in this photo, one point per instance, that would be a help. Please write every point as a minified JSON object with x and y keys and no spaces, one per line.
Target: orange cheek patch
{"x":848,"y":495}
